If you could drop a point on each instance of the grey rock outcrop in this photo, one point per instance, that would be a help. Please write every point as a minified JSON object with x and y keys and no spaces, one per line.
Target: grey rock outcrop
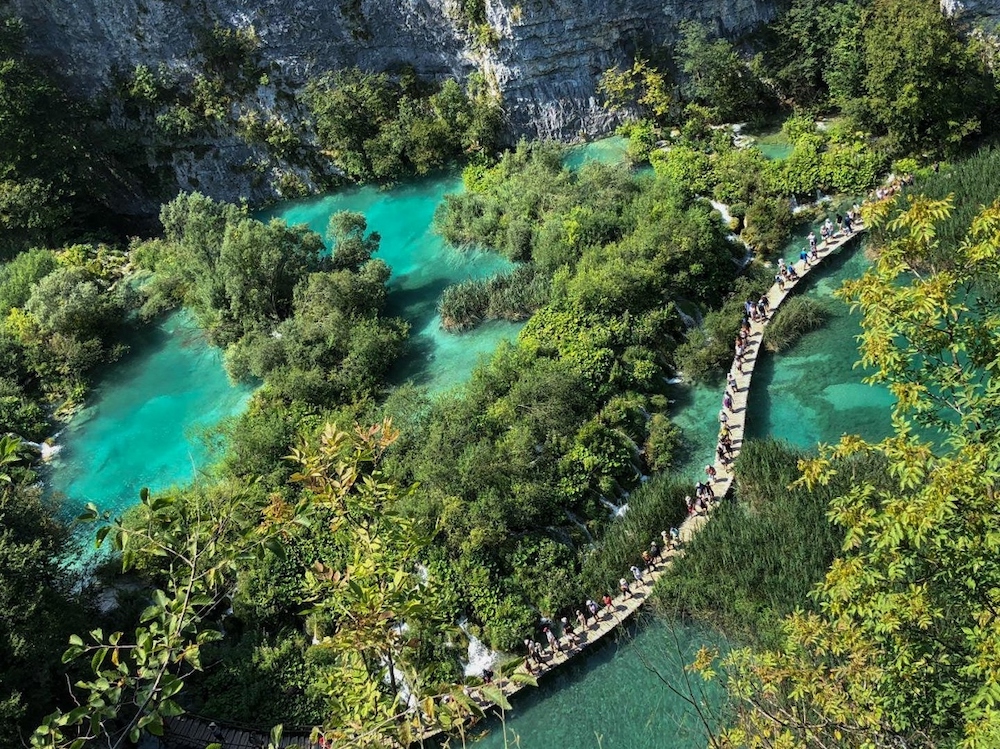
{"x":545,"y":61}
{"x":546,"y":64}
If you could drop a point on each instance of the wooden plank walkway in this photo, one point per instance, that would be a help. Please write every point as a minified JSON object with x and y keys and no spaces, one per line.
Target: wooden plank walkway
{"x":193,"y":732}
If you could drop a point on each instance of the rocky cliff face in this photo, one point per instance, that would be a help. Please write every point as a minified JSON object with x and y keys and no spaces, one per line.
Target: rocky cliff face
{"x":545,"y":60}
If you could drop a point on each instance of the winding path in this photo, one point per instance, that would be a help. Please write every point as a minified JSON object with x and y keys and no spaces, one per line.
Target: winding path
{"x":194,"y":732}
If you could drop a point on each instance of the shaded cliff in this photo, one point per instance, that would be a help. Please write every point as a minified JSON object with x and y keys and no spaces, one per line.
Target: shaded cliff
{"x":543,"y":57}
{"x":546,"y":62}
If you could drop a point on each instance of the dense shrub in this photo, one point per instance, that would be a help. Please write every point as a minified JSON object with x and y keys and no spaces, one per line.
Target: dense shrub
{"x":796,"y":317}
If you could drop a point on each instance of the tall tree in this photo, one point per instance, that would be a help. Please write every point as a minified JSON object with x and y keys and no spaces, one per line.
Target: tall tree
{"x":904,"y":649}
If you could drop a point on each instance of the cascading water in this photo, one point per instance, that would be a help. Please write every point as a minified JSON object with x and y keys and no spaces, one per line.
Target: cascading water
{"x":480,"y":657}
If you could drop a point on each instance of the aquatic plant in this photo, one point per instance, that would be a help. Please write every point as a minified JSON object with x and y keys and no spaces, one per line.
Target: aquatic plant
{"x":796,"y":317}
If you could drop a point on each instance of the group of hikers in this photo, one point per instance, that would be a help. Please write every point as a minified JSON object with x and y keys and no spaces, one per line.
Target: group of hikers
{"x":887,"y":191}
{"x":566,"y":636}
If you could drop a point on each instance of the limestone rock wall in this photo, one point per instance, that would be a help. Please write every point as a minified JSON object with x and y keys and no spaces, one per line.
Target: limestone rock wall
{"x":547,"y":62}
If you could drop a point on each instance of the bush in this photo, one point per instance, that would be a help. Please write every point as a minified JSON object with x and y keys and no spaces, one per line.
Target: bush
{"x":796,"y":317}
{"x":769,"y":224}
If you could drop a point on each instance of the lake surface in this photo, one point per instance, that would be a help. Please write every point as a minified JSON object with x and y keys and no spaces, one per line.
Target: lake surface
{"x":142,"y":424}
{"x":615,"y":698}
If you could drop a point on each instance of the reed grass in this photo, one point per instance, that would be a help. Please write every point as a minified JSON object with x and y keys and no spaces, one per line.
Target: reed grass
{"x":797,"y":316}
{"x":655,"y":506}
{"x":761,"y":555}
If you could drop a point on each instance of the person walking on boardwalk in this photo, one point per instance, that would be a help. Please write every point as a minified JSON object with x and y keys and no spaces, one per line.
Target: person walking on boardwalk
{"x":567,"y":630}
{"x":727,"y":402}
{"x":654,"y":551}
{"x":592,"y":608}
{"x":711,"y":472}
{"x":731,"y":379}
{"x":665,"y":537}
{"x":636,"y":573}
{"x":723,"y":417}
{"x":690,"y":504}
{"x":625,"y":588}
{"x":553,"y":642}
{"x":812,"y":242}
{"x":804,"y":257}
{"x":609,"y":603}
{"x":581,"y":620}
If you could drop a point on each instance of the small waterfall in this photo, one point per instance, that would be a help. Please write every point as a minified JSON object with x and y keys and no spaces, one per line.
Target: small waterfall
{"x":617,"y":511}
{"x":674,"y":381}
{"x":46,"y":450}
{"x":723,"y":209}
{"x":480,"y":656}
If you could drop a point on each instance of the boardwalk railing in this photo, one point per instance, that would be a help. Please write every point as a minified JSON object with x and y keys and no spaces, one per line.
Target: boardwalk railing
{"x":195,"y":732}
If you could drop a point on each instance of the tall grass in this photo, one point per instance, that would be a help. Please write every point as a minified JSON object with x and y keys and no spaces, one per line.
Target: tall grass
{"x":655,"y":506}
{"x":974,"y":181}
{"x":796,"y":317}
{"x":508,"y":296}
{"x":761,"y":555}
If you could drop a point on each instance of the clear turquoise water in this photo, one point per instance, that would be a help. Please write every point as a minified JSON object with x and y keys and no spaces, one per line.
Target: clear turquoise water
{"x":610,"y":150}
{"x":142,"y":424}
{"x":807,"y":394}
{"x":775,"y":151}
{"x":422,"y":266}
{"x":615,"y":698}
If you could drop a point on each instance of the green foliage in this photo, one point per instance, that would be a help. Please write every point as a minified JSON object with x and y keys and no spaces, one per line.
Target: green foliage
{"x":762,"y":554}
{"x":716,"y":76}
{"x":796,"y":317}
{"x":194,"y":546}
{"x":923,"y":85}
{"x":19,"y":275}
{"x":662,"y":442}
{"x":654,"y":507}
{"x":901,"y":646}
{"x":708,"y":349}
{"x":687,"y":168}
{"x":39,"y":151}
{"x":813,"y":51}
{"x":375,"y":127}
{"x":509,"y":296}
{"x":769,"y":224}
{"x":644,"y":86}
{"x":37,"y":608}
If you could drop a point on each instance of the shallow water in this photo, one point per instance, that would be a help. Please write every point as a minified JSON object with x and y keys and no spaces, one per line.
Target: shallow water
{"x":807,"y":394}
{"x":142,"y":423}
{"x":615,"y":698}
{"x":422,"y":266}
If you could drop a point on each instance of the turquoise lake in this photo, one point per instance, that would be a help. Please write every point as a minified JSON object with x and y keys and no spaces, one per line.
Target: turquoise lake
{"x":143,"y":422}
{"x":616,"y":697}
{"x":142,"y":425}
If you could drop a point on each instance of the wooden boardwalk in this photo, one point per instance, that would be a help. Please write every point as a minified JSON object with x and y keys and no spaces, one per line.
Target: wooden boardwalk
{"x":193,"y":732}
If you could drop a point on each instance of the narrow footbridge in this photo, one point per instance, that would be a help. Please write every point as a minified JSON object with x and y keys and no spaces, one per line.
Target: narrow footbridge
{"x":193,"y":732}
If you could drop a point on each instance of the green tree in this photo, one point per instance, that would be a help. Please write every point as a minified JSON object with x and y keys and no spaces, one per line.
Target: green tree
{"x":923,"y":86}
{"x":37,"y":608}
{"x":903,"y":646}
{"x":715,"y":75}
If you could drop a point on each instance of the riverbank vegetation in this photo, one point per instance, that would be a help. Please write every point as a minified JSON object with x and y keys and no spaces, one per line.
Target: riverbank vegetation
{"x":796,"y":317}
{"x":896,"y":646}
{"x":337,"y":575}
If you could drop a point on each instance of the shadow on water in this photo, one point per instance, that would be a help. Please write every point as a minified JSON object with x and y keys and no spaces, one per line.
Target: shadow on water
{"x":619,"y":696}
